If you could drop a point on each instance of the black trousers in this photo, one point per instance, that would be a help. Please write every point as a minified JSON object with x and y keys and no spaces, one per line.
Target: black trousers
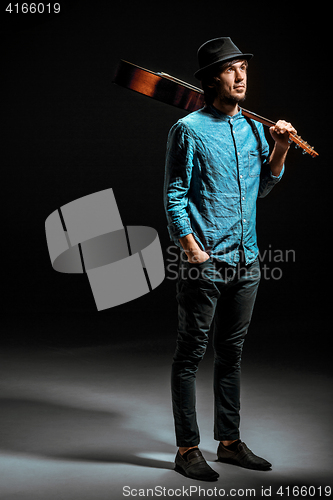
{"x":211,"y":296}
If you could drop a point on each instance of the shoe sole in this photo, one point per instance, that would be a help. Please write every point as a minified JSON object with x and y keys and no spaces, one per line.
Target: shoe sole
{"x":234,"y":462}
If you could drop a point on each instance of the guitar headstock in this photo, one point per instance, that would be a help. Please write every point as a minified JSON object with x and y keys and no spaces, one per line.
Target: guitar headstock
{"x":300,"y":143}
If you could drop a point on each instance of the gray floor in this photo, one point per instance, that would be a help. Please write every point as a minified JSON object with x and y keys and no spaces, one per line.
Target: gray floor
{"x":82,"y":423}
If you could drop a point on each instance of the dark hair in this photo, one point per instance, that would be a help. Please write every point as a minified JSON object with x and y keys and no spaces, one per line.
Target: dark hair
{"x":210,"y":93}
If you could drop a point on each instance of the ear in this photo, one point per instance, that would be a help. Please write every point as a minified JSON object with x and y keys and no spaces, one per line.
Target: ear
{"x":216,"y":79}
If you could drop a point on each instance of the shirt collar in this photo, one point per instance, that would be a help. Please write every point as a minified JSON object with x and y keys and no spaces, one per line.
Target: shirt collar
{"x":223,"y":116}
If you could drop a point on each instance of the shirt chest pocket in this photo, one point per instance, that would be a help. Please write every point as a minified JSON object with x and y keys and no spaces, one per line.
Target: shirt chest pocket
{"x":254,"y":163}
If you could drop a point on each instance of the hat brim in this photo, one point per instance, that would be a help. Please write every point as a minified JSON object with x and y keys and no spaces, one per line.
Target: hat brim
{"x":199,"y":74}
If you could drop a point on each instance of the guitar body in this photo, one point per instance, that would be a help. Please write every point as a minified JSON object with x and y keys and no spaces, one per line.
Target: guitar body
{"x":158,"y":87}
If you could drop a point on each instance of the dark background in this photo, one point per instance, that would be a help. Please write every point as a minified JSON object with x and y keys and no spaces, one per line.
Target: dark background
{"x":69,"y":132}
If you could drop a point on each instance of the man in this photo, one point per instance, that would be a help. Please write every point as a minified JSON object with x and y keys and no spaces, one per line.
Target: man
{"x":217,"y":165}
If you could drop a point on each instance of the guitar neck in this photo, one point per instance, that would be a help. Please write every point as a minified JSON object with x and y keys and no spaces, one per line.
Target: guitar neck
{"x":258,"y":118}
{"x":299,"y":142}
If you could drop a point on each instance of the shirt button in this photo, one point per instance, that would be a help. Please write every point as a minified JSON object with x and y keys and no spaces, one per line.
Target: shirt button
{"x":241,"y":176}
{"x":243,"y":198}
{"x":244,"y":220}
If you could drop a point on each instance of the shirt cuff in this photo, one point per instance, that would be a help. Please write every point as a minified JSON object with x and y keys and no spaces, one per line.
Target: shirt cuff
{"x":179,"y":229}
{"x":277,"y":178}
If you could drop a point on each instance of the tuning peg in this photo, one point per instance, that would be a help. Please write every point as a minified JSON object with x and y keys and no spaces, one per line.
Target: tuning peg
{"x":296,"y":146}
{"x":304,"y":152}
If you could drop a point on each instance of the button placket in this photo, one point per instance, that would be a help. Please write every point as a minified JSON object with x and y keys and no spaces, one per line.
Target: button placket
{"x":241,"y":178}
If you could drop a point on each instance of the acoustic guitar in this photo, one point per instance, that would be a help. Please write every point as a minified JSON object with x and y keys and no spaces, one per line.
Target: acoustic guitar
{"x":171,"y":90}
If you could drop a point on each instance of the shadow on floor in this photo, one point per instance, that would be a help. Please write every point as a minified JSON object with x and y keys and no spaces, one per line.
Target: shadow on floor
{"x":54,"y":430}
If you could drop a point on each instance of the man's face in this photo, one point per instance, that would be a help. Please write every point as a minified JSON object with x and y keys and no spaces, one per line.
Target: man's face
{"x":231,"y":83}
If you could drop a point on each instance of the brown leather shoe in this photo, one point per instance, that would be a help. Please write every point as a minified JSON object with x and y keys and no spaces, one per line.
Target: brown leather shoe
{"x":242,"y":456}
{"x":195,"y":466}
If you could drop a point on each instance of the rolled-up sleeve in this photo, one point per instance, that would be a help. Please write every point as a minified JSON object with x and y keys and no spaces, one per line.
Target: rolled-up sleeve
{"x":268,"y":181}
{"x":177,"y":180}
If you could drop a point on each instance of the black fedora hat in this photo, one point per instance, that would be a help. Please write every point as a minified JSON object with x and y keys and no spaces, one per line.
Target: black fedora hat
{"x":216,"y":51}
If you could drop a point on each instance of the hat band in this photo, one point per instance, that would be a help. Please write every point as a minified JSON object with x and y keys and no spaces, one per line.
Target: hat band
{"x":224,"y":57}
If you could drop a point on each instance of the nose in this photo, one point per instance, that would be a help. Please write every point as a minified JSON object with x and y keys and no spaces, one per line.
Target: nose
{"x":239,"y":75}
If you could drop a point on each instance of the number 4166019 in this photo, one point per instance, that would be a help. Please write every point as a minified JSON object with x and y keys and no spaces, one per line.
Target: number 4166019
{"x":33,"y":8}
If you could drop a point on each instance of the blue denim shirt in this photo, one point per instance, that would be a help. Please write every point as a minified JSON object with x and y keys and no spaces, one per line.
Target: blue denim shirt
{"x":216,"y":168}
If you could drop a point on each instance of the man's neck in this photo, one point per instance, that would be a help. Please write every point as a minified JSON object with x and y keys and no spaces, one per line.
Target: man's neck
{"x":230,"y":109}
